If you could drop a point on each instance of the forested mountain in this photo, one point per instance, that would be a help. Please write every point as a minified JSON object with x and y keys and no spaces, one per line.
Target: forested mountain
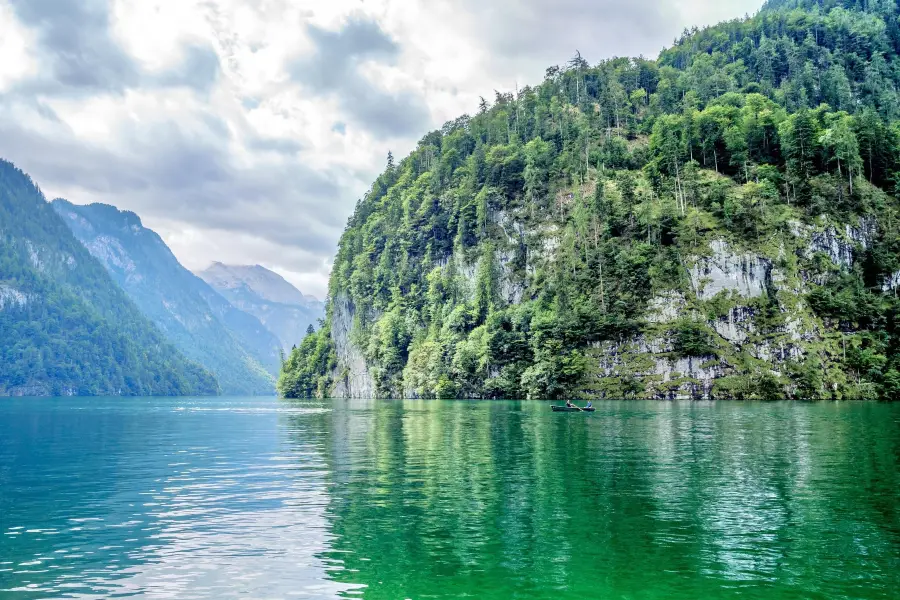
{"x":282,"y":308}
{"x":65,"y":327}
{"x":721,"y":222}
{"x":233,"y":345}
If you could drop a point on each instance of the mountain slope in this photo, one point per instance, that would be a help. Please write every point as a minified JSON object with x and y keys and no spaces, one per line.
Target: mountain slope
{"x":722,"y":222}
{"x":65,"y":327}
{"x":281,"y":307}
{"x":233,"y":345}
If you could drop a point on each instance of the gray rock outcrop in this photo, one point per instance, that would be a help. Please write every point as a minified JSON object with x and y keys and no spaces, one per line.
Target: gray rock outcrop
{"x":352,"y":378}
{"x":747,"y":274}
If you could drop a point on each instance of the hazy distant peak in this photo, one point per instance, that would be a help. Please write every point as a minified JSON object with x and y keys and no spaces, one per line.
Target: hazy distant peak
{"x":263,"y":282}
{"x":254,"y":289}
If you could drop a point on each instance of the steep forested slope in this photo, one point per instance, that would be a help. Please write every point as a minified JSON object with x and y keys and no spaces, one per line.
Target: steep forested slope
{"x":282,"y":308}
{"x":65,"y":328}
{"x":233,"y":345}
{"x":721,"y":222}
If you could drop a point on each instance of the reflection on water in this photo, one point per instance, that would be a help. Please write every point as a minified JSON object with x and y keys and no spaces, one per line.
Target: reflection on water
{"x":257,"y":498}
{"x":164,"y":499}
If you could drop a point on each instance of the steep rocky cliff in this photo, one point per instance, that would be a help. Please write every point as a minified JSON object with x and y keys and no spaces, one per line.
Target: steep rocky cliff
{"x":351,"y":377}
{"x":720,"y":223}
{"x":729,"y":292}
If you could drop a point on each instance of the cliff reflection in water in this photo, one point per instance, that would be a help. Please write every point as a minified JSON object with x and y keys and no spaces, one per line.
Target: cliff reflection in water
{"x":225,"y":498}
{"x":500,"y":500}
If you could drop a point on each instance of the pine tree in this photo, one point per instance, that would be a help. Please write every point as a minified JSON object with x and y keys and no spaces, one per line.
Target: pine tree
{"x":800,"y":147}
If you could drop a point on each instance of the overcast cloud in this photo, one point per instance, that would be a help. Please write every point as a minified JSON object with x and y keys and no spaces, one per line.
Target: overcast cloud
{"x":244,"y":131}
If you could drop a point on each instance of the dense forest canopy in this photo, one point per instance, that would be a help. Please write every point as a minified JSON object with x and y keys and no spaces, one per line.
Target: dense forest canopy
{"x":65,"y":327}
{"x":521,"y":251}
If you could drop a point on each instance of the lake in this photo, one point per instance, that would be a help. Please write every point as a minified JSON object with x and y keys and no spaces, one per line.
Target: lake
{"x":265,"y":499}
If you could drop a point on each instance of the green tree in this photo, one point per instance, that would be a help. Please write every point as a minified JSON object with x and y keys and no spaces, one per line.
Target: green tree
{"x":840,"y":144}
{"x":800,"y":145}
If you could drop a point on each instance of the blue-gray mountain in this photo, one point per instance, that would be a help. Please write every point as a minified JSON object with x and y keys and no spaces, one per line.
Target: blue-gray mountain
{"x":65,"y":327}
{"x":282,"y":308}
{"x":232,"y":344}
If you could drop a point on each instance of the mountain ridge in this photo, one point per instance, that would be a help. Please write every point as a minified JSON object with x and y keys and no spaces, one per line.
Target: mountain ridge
{"x":266,"y":283}
{"x":280,"y":306}
{"x":197,"y":319}
{"x":65,"y":327}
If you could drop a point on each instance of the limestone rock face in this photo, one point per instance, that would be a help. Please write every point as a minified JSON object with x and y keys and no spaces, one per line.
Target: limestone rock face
{"x":351,"y":378}
{"x":737,"y":327}
{"x":726,"y":270}
{"x":11,"y":297}
{"x":840,"y":245}
{"x":742,"y":279}
{"x":666,"y":307}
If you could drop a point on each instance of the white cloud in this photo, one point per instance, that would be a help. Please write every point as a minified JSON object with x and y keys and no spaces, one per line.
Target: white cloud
{"x":155,"y":32}
{"x":245,"y":130}
{"x":15,"y":62}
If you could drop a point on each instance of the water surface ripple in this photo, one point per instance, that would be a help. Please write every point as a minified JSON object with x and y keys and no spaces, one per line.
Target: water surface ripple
{"x":259,"y":498}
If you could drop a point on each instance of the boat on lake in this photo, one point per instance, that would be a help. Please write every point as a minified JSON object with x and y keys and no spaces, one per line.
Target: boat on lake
{"x":572,"y":409}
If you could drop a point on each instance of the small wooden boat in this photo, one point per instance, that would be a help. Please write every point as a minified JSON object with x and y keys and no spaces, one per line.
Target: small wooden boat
{"x":571,"y":409}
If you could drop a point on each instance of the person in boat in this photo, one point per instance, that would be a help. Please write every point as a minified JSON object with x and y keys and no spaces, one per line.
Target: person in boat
{"x":569,"y":404}
{"x":590,"y":404}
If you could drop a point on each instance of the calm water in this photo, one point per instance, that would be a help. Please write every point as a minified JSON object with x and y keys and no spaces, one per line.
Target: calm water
{"x":250,"y":498}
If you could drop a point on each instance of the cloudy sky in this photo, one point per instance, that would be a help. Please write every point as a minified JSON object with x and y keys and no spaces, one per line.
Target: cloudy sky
{"x":244,"y":131}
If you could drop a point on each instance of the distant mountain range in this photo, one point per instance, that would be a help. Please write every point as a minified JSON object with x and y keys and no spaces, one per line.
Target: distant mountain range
{"x":94,"y":303}
{"x":283,"y":309}
{"x":66,"y":328}
{"x":232,"y":344}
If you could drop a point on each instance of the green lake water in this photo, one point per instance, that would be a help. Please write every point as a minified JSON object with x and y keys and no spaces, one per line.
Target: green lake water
{"x":265,"y":499}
